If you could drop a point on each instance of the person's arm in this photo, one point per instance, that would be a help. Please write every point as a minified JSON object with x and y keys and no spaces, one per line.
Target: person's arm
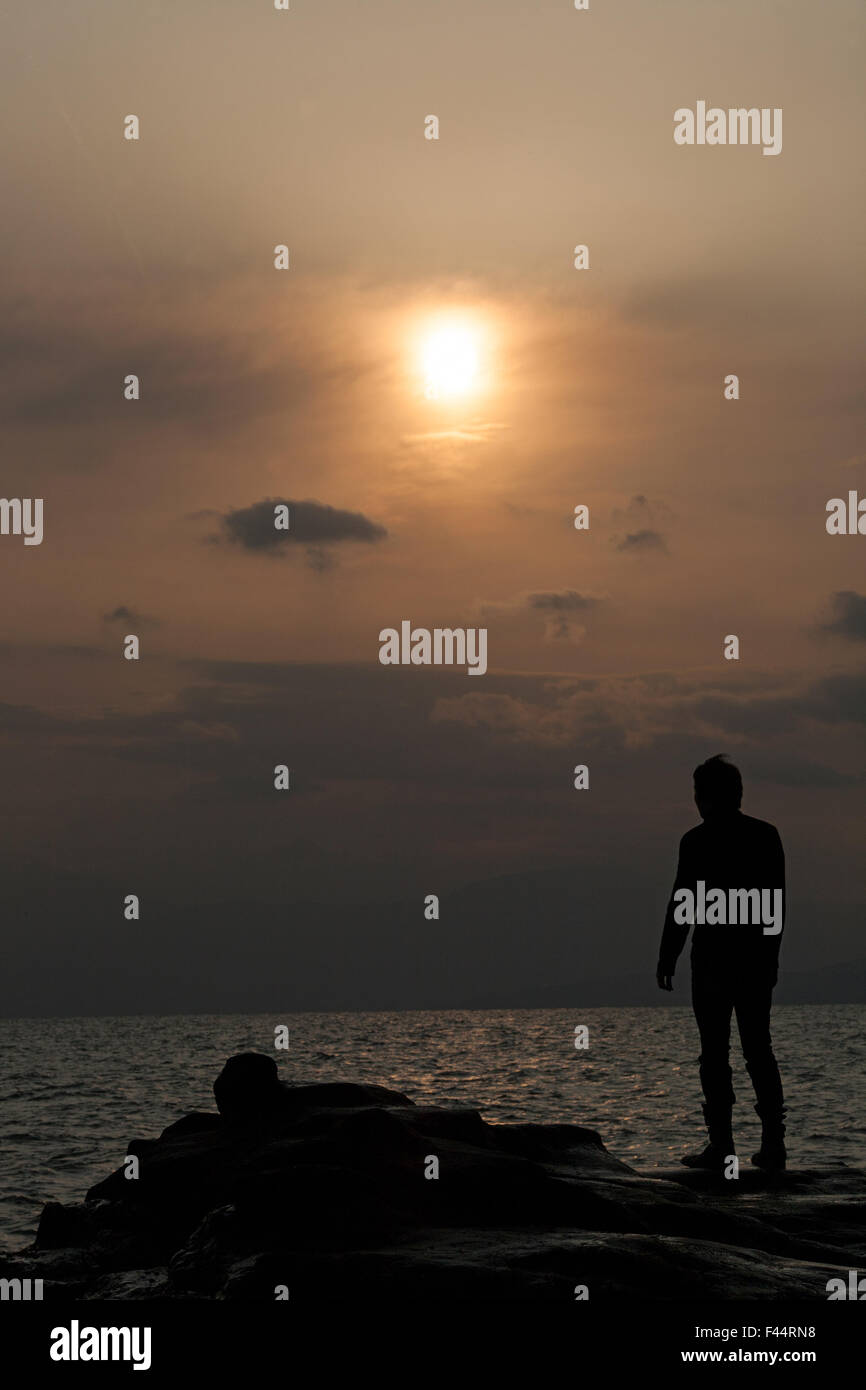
{"x":674,"y":934}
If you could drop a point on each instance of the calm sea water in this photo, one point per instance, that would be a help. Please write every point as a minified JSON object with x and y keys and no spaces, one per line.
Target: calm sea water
{"x":74,"y":1091}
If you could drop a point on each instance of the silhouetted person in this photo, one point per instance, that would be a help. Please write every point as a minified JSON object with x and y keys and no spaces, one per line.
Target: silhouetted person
{"x":734,"y":967}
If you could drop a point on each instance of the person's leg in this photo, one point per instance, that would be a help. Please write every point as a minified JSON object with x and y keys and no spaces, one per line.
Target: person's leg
{"x":753,"y":1003}
{"x":713,"y":1004}
{"x":712,"y":1001}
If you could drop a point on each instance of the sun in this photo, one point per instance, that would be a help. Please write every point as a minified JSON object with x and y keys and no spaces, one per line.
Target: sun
{"x":450,"y":360}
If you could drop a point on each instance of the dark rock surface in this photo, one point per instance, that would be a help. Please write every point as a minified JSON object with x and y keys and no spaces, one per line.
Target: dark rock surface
{"x":323,"y":1189}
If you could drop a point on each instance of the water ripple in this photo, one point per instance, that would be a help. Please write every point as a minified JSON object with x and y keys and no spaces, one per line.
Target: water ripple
{"x":74,"y":1092}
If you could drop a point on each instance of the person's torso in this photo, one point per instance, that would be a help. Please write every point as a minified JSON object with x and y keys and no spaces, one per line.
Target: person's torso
{"x":735,"y":872}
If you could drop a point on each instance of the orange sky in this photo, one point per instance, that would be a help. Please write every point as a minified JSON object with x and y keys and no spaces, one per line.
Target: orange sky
{"x":601,"y":387}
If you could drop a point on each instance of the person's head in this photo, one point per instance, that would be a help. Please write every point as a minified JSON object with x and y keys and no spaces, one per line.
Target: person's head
{"x":718,"y":787}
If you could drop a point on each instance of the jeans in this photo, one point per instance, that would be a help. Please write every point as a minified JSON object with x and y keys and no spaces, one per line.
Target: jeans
{"x":717,"y":992}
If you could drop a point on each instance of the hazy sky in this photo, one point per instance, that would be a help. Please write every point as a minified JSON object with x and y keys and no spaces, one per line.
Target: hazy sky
{"x":602,"y":387}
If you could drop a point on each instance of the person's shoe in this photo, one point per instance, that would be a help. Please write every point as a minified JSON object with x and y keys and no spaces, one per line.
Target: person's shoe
{"x":712,"y":1157}
{"x":771,"y":1156}
{"x":721,"y":1145}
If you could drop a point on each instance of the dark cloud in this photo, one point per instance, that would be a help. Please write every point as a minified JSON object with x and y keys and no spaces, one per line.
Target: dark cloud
{"x":22,"y":719}
{"x":64,"y":364}
{"x":642,"y":711}
{"x":235,"y":714}
{"x":557,"y":606}
{"x":486,"y":777}
{"x":839,"y":699}
{"x":641,"y":511}
{"x":568,"y":601}
{"x":205,"y":382}
{"x":131,"y":616}
{"x":312,"y":524}
{"x":319,"y":559}
{"x":848,"y":615}
{"x":640,"y":520}
{"x":642,"y":540}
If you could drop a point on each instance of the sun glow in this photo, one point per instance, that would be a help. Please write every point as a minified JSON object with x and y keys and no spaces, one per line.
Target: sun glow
{"x":450,"y":360}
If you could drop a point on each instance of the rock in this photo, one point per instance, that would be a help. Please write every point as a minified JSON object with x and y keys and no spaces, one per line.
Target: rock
{"x":248,"y":1091}
{"x":150,"y":1284}
{"x":323,"y":1189}
{"x":60,"y":1227}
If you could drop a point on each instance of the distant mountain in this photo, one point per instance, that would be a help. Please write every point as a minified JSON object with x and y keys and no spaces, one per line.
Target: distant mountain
{"x":830,"y":984}
{"x":553,"y":938}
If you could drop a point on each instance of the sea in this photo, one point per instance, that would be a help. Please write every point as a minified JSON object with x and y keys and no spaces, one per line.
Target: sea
{"x":75,"y":1091}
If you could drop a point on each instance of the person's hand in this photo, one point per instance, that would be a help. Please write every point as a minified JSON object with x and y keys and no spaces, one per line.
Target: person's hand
{"x":664,"y":981}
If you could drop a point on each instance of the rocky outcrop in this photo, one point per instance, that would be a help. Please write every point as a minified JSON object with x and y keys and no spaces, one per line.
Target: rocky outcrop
{"x":351,"y":1191}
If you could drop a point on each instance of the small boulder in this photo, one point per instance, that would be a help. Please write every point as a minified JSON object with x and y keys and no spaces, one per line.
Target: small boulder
{"x":248,"y":1090}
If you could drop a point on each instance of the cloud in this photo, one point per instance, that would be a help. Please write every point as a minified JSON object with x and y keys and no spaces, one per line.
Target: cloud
{"x":22,"y":719}
{"x":319,"y":559}
{"x":223,"y":728}
{"x":643,"y":541}
{"x":201,"y":365}
{"x":508,"y":717}
{"x":432,"y":456}
{"x":205,"y":381}
{"x":839,"y":699}
{"x":312,"y":524}
{"x":686,"y":301}
{"x":631,"y":712}
{"x":130,"y":616}
{"x":641,"y":516}
{"x":849,"y":615}
{"x":558,"y":607}
{"x":567,"y":601}
{"x":641,"y":511}
{"x":477,"y":432}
